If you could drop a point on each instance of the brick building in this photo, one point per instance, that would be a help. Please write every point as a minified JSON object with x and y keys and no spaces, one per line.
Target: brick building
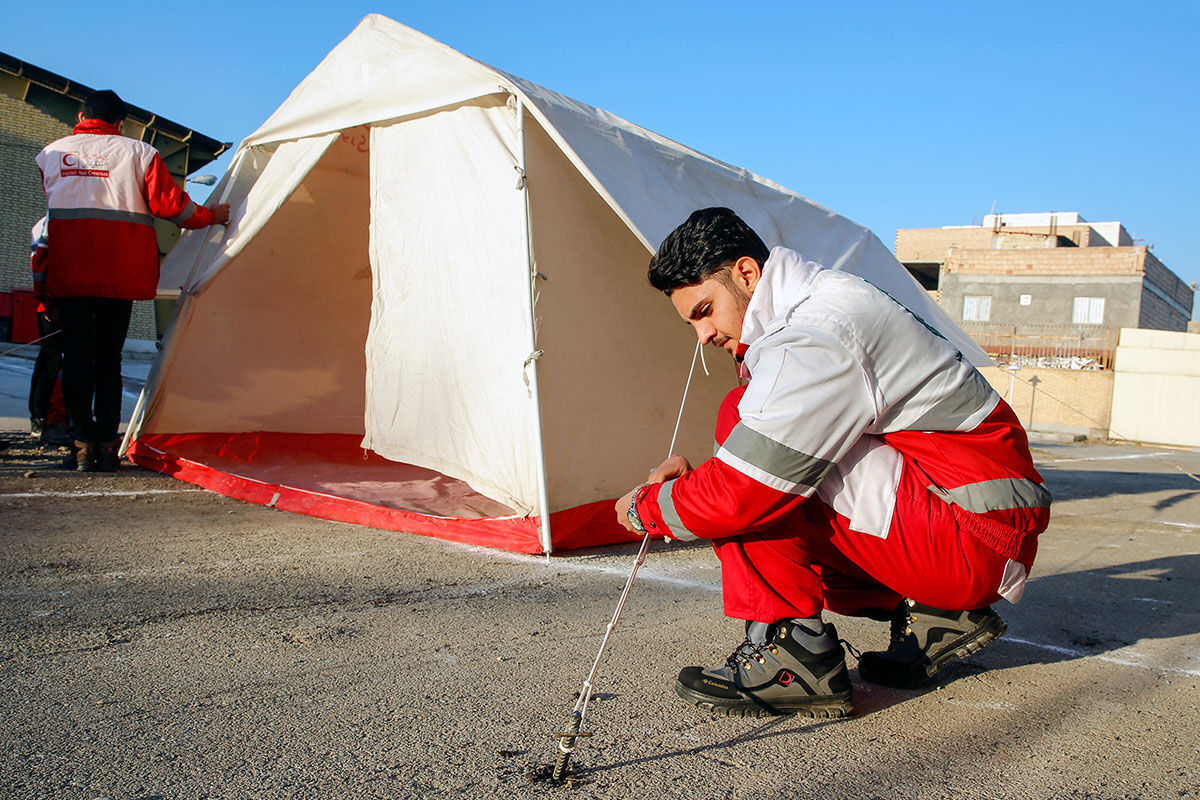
{"x":1020,"y":270}
{"x":37,"y":107}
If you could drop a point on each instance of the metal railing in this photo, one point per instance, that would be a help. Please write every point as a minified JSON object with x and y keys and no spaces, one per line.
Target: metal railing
{"x":1053,"y":346}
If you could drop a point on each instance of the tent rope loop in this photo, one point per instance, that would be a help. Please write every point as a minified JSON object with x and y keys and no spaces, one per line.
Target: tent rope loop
{"x":520,"y":177}
{"x":534,"y":356}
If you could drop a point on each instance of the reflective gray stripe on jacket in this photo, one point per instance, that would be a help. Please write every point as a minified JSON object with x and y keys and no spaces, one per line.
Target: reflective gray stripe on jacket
{"x":107,"y":214}
{"x":187,"y":213}
{"x":670,"y":517}
{"x":996,"y":495}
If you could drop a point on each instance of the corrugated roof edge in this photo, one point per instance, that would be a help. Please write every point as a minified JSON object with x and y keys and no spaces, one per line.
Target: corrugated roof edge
{"x":200,"y":143}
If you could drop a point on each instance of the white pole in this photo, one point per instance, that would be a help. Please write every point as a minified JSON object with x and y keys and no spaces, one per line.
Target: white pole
{"x":539,"y":443}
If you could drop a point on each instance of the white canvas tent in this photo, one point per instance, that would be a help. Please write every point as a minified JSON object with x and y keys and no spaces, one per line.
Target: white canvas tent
{"x":430,"y":311}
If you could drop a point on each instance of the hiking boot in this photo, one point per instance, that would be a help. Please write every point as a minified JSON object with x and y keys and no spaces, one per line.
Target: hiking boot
{"x":925,"y":639}
{"x":107,"y":458}
{"x":782,"y":668}
{"x":82,"y":457}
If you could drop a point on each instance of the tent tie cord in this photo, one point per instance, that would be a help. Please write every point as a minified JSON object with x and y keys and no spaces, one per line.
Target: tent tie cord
{"x":520,"y":177}
{"x":534,"y":356}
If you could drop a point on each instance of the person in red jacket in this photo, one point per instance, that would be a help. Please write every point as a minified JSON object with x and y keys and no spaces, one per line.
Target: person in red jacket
{"x":866,"y":468}
{"x":103,"y":191}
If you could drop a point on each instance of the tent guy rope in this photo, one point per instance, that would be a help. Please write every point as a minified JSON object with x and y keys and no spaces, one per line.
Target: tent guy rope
{"x":567,"y":739}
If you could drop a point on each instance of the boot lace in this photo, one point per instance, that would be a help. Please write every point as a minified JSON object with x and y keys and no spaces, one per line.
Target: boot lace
{"x":851,"y":649}
{"x":749,"y":652}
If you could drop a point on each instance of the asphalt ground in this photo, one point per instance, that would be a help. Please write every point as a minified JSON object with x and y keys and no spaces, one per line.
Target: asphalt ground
{"x":160,"y":641}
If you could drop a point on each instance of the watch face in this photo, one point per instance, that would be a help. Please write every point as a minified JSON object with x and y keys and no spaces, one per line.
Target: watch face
{"x":634,"y":519}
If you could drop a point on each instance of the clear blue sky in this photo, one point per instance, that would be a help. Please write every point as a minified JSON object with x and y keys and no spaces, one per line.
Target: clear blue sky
{"x":896,"y":115}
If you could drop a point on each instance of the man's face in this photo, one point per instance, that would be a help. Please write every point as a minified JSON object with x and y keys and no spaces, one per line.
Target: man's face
{"x":716,"y":306}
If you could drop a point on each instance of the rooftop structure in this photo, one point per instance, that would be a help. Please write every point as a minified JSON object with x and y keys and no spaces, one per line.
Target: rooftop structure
{"x":1035,"y":268}
{"x":36,"y":107}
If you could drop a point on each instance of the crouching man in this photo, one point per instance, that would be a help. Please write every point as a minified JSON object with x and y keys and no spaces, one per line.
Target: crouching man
{"x":865,"y":468}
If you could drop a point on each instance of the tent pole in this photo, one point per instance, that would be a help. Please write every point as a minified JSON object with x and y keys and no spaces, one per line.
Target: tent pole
{"x":523,"y":186}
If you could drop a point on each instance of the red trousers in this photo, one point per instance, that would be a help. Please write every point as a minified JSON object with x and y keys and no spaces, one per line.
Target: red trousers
{"x":812,"y":560}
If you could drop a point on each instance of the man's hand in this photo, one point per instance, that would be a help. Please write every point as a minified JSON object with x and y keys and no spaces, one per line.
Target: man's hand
{"x":221,"y":214}
{"x":673,"y":467}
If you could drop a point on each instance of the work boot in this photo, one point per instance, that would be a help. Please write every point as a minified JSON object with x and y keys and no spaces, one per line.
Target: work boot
{"x":925,"y":639}
{"x":784,"y":668}
{"x":107,"y":459}
{"x":82,"y":457}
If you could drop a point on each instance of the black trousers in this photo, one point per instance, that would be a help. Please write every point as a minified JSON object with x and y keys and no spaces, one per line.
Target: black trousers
{"x":45,"y":369}
{"x":93,"y":331}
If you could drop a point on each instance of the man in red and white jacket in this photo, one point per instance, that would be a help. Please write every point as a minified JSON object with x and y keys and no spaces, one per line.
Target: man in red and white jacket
{"x":104,"y":191}
{"x":865,"y":468}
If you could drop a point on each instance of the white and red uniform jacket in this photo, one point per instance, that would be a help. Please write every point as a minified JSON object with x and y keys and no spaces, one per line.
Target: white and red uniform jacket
{"x":104,"y":190}
{"x":847,"y":387}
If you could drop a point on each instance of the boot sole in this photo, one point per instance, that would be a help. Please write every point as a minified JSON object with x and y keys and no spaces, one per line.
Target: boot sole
{"x":833,"y":706}
{"x":970,"y":642}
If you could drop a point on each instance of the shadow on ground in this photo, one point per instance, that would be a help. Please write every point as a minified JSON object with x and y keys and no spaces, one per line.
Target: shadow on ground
{"x":1070,"y":484}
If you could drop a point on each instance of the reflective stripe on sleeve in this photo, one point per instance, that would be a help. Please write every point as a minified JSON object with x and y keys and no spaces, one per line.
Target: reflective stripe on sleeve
{"x":107,"y":214}
{"x":969,"y":402}
{"x":670,"y":517}
{"x":996,"y":495}
{"x":188,"y":212}
{"x":772,"y":463}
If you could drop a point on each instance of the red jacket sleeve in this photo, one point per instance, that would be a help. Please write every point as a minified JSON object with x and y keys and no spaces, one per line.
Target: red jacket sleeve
{"x":711,"y":502}
{"x":168,"y":201}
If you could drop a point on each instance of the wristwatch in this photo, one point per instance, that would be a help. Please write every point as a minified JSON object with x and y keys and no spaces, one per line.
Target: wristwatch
{"x":634,"y":519}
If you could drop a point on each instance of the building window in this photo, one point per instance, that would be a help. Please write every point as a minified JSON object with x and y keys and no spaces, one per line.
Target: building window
{"x":1088,"y":311}
{"x":977,"y":307}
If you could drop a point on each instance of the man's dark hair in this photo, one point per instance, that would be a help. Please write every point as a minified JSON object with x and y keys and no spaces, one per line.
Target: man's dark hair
{"x":104,"y":104}
{"x":709,"y":240}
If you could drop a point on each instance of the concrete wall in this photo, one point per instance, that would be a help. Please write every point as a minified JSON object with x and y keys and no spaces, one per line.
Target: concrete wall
{"x":24,"y":130}
{"x":1051,"y":297}
{"x":1156,"y":383}
{"x":1167,"y":301}
{"x":1070,"y":398}
{"x":1137,"y":289}
{"x":1025,"y":260}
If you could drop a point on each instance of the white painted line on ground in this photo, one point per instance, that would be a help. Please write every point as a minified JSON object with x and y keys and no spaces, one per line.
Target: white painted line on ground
{"x":1100,"y":458}
{"x":1189,"y":525}
{"x":99,"y":493}
{"x":579,"y":565}
{"x":648,"y":574}
{"x":1125,"y":662}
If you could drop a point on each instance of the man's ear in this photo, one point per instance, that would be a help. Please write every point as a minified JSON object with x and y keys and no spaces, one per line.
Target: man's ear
{"x":80,"y":117}
{"x":746,"y":273}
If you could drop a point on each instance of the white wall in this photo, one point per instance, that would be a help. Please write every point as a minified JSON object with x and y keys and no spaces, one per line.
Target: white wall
{"x":1155,"y":388}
